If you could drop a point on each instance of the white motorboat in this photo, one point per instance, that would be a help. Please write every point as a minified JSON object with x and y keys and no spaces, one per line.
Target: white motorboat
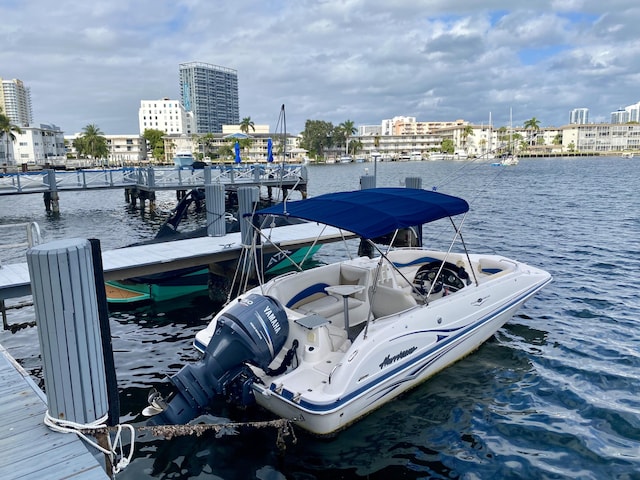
{"x":183,"y":158}
{"x":324,"y":347}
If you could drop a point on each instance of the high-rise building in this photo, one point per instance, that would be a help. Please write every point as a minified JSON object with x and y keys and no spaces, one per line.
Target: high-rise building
{"x":620,"y":116}
{"x":211,"y":93}
{"x":633,"y":112}
{"x":579,"y":116}
{"x":15,"y":100}
{"x":166,"y":115}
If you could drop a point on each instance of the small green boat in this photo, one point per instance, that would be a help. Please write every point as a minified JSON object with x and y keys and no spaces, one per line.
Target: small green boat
{"x":169,"y":285}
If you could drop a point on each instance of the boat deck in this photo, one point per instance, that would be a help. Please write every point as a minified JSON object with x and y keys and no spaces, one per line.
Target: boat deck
{"x":30,"y":450}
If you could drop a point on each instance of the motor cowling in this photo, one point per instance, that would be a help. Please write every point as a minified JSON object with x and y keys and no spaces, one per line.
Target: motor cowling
{"x":253,"y":331}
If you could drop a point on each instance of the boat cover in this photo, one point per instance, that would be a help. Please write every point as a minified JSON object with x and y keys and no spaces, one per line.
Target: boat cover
{"x":373,"y":212}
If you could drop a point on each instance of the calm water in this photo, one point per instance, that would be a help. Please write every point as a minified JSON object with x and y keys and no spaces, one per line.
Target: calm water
{"x":553,"y":395}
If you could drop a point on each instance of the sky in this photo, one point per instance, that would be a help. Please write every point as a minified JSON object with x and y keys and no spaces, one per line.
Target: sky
{"x":332,"y":60}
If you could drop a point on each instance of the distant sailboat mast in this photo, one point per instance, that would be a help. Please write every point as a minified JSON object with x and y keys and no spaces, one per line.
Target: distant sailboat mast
{"x":490,"y":135}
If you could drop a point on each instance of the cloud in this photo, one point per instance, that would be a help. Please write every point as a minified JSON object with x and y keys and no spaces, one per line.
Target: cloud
{"x":329,"y":60}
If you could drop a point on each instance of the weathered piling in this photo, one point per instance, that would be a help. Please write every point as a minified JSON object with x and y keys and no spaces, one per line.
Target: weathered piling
{"x":77,"y":383}
{"x":51,"y":198}
{"x":64,"y":295}
{"x":413,"y":182}
{"x":247,"y":199}
{"x":367,"y":181}
{"x":214,"y":201}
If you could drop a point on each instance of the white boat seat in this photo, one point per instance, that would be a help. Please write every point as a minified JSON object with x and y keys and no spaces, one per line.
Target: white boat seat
{"x":387,"y":301}
{"x":328,"y":306}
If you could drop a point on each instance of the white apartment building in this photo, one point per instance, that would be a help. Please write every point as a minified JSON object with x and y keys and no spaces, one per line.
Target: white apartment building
{"x":123,"y":150}
{"x":388,"y":125}
{"x":229,"y":129}
{"x":255,"y":153}
{"x":369,"y":130}
{"x":633,"y":112}
{"x":579,"y":116}
{"x":601,"y":138}
{"x":166,"y":115}
{"x":15,"y":100}
{"x":620,"y":116}
{"x":126,"y":149}
{"x":37,"y":145}
{"x":630,"y":113}
{"x":480,"y":141}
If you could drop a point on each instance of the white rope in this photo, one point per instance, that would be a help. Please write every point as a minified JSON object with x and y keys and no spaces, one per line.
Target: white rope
{"x":66,"y":426}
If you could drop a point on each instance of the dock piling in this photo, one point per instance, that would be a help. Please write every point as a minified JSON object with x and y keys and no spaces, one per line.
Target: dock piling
{"x":64,"y":296}
{"x":214,"y":201}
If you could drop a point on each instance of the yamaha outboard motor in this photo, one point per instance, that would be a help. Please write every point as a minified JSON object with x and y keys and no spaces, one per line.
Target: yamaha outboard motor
{"x":253,"y":331}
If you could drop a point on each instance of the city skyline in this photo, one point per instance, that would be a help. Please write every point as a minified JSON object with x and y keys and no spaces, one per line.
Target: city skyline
{"x":333,"y":60}
{"x":176,"y":119}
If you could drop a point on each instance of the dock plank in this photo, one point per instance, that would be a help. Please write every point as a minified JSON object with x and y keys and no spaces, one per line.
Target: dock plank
{"x":30,"y":450}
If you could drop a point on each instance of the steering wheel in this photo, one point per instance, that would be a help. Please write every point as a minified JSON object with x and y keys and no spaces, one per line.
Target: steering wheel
{"x":452,"y":278}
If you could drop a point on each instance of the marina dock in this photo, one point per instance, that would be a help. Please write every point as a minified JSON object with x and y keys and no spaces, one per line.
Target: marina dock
{"x":30,"y":450}
{"x":143,"y":182}
{"x":127,"y":262}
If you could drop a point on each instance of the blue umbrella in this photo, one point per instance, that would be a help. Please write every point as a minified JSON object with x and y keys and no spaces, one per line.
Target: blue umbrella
{"x":269,"y":150}
{"x":237,"y":149}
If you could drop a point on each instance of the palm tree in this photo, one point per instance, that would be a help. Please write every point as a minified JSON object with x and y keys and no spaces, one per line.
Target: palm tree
{"x":533,"y":124}
{"x":247,"y":124}
{"x":348,"y":129}
{"x":467,"y":131}
{"x":92,"y":143}
{"x":356,"y":147}
{"x":206,"y":141}
{"x":483,"y":145}
{"x":225,"y":152}
{"x":7,"y":131}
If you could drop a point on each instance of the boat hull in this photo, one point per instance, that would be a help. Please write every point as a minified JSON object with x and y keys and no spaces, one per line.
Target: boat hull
{"x":355,"y":401}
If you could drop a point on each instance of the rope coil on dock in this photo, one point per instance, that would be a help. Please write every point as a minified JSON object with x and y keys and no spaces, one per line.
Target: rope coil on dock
{"x":96,"y":428}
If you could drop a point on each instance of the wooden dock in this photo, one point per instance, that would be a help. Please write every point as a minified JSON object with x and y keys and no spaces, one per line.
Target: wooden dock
{"x":30,"y":450}
{"x":127,"y":262}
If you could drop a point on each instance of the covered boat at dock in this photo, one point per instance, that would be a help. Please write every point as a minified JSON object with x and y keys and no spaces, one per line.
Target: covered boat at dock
{"x":325,"y":346}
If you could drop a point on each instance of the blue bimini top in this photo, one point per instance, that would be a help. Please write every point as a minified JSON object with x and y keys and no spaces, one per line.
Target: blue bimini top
{"x":373,"y":212}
